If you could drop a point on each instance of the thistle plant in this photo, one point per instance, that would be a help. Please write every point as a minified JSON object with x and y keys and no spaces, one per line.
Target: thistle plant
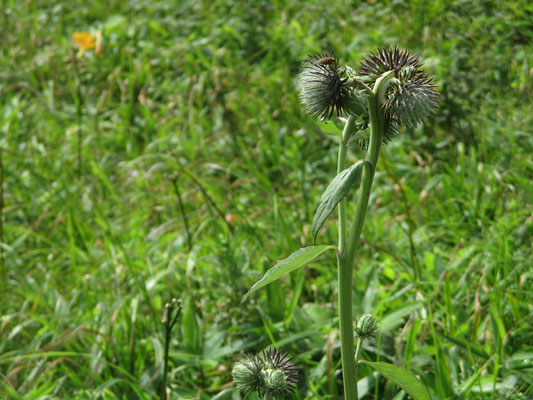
{"x":388,"y":91}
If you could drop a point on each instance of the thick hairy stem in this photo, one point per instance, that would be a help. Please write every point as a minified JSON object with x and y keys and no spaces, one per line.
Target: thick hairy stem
{"x":345,"y":279}
{"x":345,"y":275}
{"x":347,"y":256}
{"x":376,"y":138}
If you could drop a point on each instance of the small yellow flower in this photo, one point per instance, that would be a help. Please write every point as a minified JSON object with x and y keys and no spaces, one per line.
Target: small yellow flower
{"x":84,"y":40}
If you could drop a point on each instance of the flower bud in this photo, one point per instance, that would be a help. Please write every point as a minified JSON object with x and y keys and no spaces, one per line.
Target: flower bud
{"x":276,"y":382}
{"x":271,"y":374}
{"x":366,"y":327}
{"x":247,"y":374}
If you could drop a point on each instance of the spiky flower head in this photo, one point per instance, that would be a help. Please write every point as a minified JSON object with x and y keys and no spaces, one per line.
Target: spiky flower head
{"x":247,"y":374}
{"x":271,"y":374}
{"x":324,"y":90}
{"x":366,"y":326}
{"x":411,"y":102}
{"x":411,"y":97}
{"x":375,"y":65}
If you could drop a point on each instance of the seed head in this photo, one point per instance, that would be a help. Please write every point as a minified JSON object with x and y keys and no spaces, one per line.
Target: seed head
{"x":323,"y":88}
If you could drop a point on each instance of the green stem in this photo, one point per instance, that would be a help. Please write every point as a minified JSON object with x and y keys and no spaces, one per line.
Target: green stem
{"x":347,"y":258}
{"x":341,"y":165}
{"x":358,"y":349}
{"x":163,"y":394}
{"x":345,"y":275}
{"x":172,"y":313}
{"x":345,"y":279}
{"x":376,"y":137}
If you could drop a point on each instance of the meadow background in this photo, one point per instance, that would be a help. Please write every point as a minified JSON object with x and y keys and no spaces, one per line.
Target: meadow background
{"x":179,"y":163}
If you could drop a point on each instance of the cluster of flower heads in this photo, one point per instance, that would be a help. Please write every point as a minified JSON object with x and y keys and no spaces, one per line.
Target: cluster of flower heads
{"x":410,"y":99}
{"x":271,"y":374}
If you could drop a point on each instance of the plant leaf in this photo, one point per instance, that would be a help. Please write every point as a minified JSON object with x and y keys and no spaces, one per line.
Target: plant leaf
{"x":403,"y":378}
{"x":330,"y":128}
{"x":282,"y":267}
{"x":337,"y":190}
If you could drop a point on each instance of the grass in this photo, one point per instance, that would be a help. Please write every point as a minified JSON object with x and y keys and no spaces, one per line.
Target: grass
{"x":199,"y":169}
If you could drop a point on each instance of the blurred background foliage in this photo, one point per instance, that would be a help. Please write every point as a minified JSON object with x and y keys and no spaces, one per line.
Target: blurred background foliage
{"x":179,"y":163}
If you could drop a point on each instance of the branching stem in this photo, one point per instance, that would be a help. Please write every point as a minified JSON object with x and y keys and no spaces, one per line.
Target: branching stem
{"x":346,"y":259}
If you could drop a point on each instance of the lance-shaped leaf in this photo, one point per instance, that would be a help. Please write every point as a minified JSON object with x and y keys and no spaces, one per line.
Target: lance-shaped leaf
{"x":294,"y":261}
{"x":401,"y":377}
{"x":337,"y":190}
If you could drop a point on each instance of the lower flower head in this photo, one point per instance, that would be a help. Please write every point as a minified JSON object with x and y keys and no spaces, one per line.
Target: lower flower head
{"x":247,"y":374}
{"x":271,"y":374}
